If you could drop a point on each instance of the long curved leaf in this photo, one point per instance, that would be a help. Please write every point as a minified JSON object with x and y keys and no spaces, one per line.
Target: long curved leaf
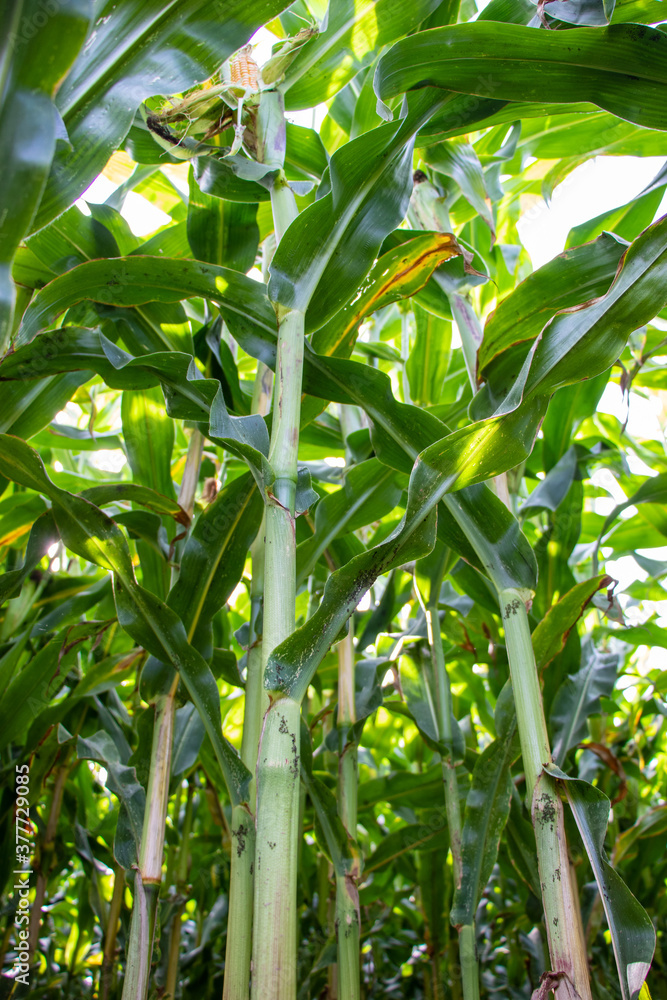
{"x":369,"y":492}
{"x":214,"y":555}
{"x":122,"y":780}
{"x":632,"y":932}
{"x":445,"y":466}
{"x":589,"y":339}
{"x":578,"y":698}
{"x":486,"y":812}
{"x":29,"y":692}
{"x":148,"y":435}
{"x":621,"y":68}
{"x":131,"y":281}
{"x":37,"y":50}
{"x":550,"y":635}
{"x":397,"y":274}
{"x":399,"y":432}
{"x":572,"y":278}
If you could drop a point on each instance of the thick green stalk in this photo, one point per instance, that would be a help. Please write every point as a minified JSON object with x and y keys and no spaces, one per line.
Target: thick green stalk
{"x":239,"y":920}
{"x":274,"y":930}
{"x":275,"y":914}
{"x":347,"y":895}
{"x":239,"y":936}
{"x":347,"y":932}
{"x":256,"y":698}
{"x":347,"y":762}
{"x":149,"y":874}
{"x":559,"y":896}
{"x":443,"y":707}
{"x":270,"y":142}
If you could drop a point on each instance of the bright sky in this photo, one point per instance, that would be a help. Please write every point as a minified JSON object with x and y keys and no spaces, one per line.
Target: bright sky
{"x":597,"y":186}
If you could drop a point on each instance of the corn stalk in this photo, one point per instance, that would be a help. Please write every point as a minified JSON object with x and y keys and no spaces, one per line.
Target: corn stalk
{"x":559,"y":890}
{"x":275,"y":875}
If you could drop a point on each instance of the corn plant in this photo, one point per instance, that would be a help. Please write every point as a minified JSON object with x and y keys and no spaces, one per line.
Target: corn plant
{"x":310,"y":502}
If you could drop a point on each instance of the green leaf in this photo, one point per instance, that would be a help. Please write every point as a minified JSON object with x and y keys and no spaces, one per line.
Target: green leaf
{"x":132,"y":281}
{"x":187,"y":394}
{"x":148,"y":434}
{"x":578,"y":698}
{"x":222,"y":232}
{"x":652,"y":491}
{"x":218,"y":179}
{"x":582,"y":130}
{"x":109,"y":493}
{"x":70,"y":611}
{"x":38,"y":49}
{"x":629,"y":220}
{"x":72,"y":239}
{"x":402,"y":788}
{"x":122,"y":780}
{"x":331,"y":834}
{"x":27,"y":409}
{"x":305,"y":154}
{"x":247,"y":437}
{"x":355,"y":32}
{"x":550,"y":635}
{"x":568,"y":407}
{"x":458,"y":160}
{"x":30,"y":692}
{"x":508,"y":10}
{"x":63,"y":436}
{"x":572,"y":278}
{"x":651,"y":824}
{"x":552,"y":490}
{"x":293,"y":662}
{"x":188,"y":737}
{"x":641,"y":635}
{"x":17,"y":515}
{"x":398,"y":274}
{"x":641,"y":11}
{"x":589,"y":339}
{"x":370,"y":491}
{"x":438,"y":470}
{"x":420,"y":710}
{"x":632,"y":933}
{"x":329,"y":248}
{"x":486,"y":812}
{"x":399,"y":431}
{"x":429,"y":358}
{"x":214,"y":556}
{"x":621,"y":68}
{"x":409,"y":838}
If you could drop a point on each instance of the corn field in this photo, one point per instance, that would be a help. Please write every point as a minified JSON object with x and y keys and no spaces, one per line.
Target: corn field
{"x":334,"y":611}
